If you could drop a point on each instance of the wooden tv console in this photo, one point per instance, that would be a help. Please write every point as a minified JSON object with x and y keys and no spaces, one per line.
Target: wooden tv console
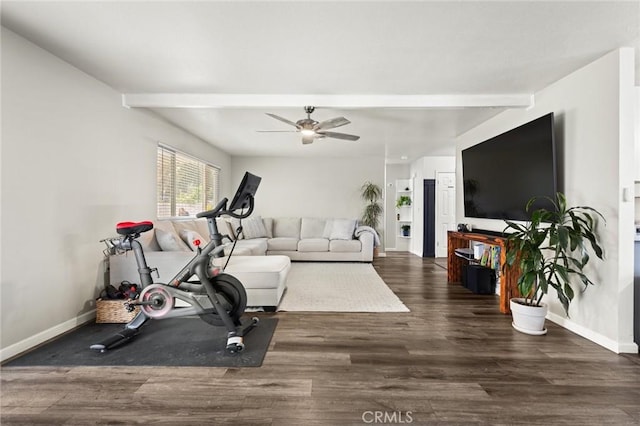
{"x":455,"y":264}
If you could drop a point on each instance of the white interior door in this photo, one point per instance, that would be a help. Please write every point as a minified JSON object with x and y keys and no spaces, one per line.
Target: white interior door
{"x":445,"y":209}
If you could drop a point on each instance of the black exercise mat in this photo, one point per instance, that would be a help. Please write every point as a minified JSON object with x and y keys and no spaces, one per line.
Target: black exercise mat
{"x":179,"y":342}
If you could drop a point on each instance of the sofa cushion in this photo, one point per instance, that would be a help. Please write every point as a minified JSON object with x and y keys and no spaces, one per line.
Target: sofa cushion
{"x":268,"y":225}
{"x":182,"y":224}
{"x":237,"y":251}
{"x":190,"y":237}
{"x":313,"y":244}
{"x":342,"y":229}
{"x":328,"y":227}
{"x":282,"y":244}
{"x":253,"y":227}
{"x":254,"y":247}
{"x":258,"y":246}
{"x":202,"y":227}
{"x":148,"y":241}
{"x":170,"y":241}
{"x":224,"y":228}
{"x":288,"y":227}
{"x":312,"y":228}
{"x":345,"y":246}
{"x":257,"y":271}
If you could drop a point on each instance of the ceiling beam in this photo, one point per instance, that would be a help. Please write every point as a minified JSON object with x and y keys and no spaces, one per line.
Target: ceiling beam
{"x":217,"y":100}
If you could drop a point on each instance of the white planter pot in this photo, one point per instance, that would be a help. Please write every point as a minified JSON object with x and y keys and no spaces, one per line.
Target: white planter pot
{"x":528,"y":319}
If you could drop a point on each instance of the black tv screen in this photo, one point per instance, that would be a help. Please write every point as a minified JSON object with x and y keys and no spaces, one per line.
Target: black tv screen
{"x":501,"y":174}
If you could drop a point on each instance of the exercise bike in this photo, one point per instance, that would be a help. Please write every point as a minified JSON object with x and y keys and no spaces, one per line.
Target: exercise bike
{"x":217,"y":298}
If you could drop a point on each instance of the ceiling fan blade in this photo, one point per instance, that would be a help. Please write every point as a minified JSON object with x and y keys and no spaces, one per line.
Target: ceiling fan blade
{"x":277,"y":131}
{"x":307,"y":139}
{"x":284,"y":120}
{"x":336,"y":135}
{"x":332,"y":123}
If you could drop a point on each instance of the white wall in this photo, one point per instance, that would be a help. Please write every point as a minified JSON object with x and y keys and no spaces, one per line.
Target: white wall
{"x":312,"y":187}
{"x":594,"y":128}
{"x":74,"y":163}
{"x":424,"y":168}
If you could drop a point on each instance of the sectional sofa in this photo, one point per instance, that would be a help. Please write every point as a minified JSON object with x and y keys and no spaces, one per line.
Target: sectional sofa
{"x":261,"y":252}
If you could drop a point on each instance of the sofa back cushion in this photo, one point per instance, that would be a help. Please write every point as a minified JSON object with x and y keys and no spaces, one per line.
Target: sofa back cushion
{"x":170,"y":241}
{"x":288,"y":227}
{"x":312,"y":227}
{"x":191,"y":237}
{"x":184,"y":224}
{"x":343,"y":229}
{"x":268,"y":225}
{"x":148,"y":241}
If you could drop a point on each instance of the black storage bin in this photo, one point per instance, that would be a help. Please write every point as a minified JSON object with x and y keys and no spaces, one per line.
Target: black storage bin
{"x":479,"y":279}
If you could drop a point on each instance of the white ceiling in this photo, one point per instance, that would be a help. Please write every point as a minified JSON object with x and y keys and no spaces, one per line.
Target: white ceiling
{"x":386,"y":49}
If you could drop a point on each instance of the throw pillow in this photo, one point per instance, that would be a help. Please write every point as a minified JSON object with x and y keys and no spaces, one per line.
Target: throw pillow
{"x":190,"y":237}
{"x":253,"y":227}
{"x":343,"y":229}
{"x":169,"y":241}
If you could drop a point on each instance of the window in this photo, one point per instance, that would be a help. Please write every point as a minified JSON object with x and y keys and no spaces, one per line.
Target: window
{"x":186,"y":185}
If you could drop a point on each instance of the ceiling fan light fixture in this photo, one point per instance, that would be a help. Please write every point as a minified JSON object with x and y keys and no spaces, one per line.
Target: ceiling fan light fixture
{"x":312,"y":129}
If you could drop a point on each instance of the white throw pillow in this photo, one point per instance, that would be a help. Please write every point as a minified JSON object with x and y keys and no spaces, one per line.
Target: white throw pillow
{"x":169,"y":241}
{"x":254,"y":228}
{"x":343,"y":229}
{"x":190,"y":237}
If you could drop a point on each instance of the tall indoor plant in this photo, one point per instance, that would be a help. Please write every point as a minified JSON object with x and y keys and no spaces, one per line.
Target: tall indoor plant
{"x":372,"y":194}
{"x":550,"y":249}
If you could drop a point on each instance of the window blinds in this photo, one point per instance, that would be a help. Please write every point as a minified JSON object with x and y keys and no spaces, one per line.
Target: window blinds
{"x":185,"y":185}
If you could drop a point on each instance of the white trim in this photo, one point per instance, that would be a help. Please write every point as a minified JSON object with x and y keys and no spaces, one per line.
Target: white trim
{"x":220,"y":100}
{"x":598,"y":338}
{"x":55,"y":331}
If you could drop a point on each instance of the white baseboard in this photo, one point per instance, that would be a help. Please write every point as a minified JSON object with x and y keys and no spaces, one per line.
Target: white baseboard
{"x":612,"y":345}
{"x":33,"y":341}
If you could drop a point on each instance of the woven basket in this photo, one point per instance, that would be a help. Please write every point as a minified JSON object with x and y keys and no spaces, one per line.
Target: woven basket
{"x":113,"y":311}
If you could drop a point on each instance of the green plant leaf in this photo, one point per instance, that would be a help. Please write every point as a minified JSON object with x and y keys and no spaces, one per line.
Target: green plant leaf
{"x":568,"y":291}
{"x":563,"y":237}
{"x":542,"y":283}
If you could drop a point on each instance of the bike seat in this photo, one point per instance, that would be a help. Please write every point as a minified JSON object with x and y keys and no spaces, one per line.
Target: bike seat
{"x":132,"y":228}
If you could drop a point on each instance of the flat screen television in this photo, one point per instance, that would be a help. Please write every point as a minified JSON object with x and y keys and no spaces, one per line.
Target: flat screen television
{"x":501,"y":174}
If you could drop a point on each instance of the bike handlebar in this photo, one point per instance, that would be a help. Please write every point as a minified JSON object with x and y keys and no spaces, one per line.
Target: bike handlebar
{"x":221,"y":209}
{"x":214,"y":212}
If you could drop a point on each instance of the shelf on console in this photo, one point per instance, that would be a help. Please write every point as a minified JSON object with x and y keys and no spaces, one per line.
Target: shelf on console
{"x":455,"y":264}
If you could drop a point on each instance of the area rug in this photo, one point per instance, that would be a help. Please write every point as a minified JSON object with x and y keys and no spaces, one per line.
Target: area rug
{"x":183,"y":342}
{"x":338,"y":287}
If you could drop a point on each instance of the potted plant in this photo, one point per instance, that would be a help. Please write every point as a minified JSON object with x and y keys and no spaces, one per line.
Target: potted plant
{"x":405,"y":230}
{"x":403,"y":200}
{"x":550,"y":249}
{"x":372,"y":194}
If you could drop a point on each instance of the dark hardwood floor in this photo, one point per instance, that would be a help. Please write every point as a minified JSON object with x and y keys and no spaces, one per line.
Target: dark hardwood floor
{"x":453,"y":360}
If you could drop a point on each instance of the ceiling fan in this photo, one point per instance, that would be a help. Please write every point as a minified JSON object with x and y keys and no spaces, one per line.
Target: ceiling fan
{"x":312,"y":129}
